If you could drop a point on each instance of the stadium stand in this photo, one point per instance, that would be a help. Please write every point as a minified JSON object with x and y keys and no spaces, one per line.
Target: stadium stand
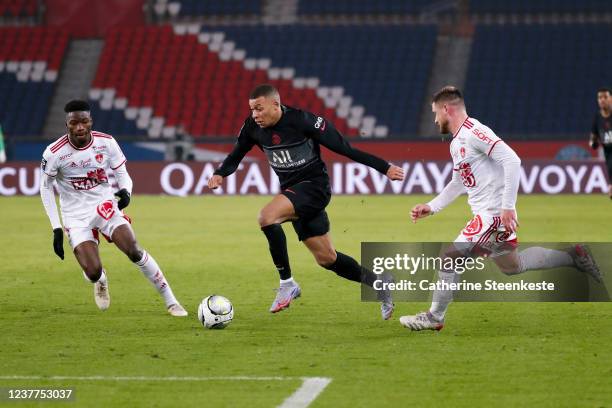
{"x":383,"y":69}
{"x":538,"y":79}
{"x":18,"y":8}
{"x":201,"y":83}
{"x":30,"y":58}
{"x":539,"y":6}
{"x":346,"y":7}
{"x":368,"y":77}
{"x":193,"y":8}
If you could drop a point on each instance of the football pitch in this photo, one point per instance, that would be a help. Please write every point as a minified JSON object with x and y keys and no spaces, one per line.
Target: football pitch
{"x":329,"y":349}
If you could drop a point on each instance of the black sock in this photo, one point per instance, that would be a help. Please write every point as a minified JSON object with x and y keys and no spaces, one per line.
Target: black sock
{"x":278,"y":249}
{"x":348,"y":268}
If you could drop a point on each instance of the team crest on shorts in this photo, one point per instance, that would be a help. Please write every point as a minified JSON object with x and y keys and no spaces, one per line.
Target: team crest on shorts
{"x":99,"y":158}
{"x":106,"y":210}
{"x":473,"y":227}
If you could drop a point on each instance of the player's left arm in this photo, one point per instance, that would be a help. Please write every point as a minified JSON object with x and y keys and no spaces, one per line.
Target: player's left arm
{"x":124,"y":181}
{"x":503,"y":154}
{"x":327,"y":135}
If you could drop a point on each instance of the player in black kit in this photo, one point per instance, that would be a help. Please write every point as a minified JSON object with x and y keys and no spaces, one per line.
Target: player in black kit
{"x":291,"y":139}
{"x":601,"y":132}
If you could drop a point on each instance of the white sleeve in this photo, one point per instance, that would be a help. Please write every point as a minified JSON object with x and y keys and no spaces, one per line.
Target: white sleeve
{"x":450,"y":192}
{"x":123,"y":178}
{"x":509,"y":160}
{"x":47,"y":196}
{"x":117,"y":157}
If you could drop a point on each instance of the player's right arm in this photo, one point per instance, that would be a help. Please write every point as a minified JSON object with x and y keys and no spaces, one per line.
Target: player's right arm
{"x":243,"y":145}
{"x":48,"y":171}
{"x":450,"y":192}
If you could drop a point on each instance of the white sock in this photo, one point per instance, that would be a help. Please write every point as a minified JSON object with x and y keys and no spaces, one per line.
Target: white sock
{"x":287,"y":282}
{"x":442,"y":298}
{"x":150,"y":269}
{"x":543,"y":258}
{"x":102,"y":277}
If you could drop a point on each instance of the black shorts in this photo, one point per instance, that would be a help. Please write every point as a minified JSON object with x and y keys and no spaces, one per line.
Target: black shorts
{"x":309,"y":199}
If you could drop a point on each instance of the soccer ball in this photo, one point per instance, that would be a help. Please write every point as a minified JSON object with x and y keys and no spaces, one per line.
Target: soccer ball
{"x":215,"y":312}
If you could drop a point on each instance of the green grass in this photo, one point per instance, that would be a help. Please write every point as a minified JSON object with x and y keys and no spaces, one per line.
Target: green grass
{"x":502,"y":354}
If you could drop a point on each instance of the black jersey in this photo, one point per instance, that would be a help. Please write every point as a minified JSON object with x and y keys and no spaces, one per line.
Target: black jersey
{"x":292,"y":147}
{"x":602,"y":129}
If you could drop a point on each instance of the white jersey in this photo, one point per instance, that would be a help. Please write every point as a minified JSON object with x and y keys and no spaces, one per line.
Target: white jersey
{"x":82,"y":173}
{"x":482,"y":177}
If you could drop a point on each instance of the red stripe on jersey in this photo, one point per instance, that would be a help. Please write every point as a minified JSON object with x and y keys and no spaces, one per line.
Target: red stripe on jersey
{"x":462,"y":125}
{"x":115,"y":168}
{"x":58,"y":145}
{"x":100,"y":134}
{"x":496,"y":142}
{"x":469,"y":122}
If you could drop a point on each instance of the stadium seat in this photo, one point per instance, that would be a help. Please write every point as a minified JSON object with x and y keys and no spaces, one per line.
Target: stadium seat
{"x":30,"y":58}
{"x":539,"y":6}
{"x":211,"y":74}
{"x":537,"y":79}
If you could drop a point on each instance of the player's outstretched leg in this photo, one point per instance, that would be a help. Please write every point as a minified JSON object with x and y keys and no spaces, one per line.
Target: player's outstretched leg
{"x":536,"y":258}
{"x":434,"y":318}
{"x":288,"y":288}
{"x":88,"y":257}
{"x":124,"y":238}
{"x":348,"y":268}
{"x":270,"y":218}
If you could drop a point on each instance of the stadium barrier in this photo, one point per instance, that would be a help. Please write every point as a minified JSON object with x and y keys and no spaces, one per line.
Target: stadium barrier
{"x":256,"y":177}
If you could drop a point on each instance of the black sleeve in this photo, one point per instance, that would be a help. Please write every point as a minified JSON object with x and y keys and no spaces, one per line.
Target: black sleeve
{"x":595,"y":128}
{"x":327,"y":135}
{"x":241,"y":148}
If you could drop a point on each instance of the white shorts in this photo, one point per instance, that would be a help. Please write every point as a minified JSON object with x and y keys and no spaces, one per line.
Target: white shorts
{"x":485,"y":235}
{"x":105,"y":219}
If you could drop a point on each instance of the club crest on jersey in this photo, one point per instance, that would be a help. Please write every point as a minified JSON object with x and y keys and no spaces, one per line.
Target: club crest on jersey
{"x":276,"y":139}
{"x":99,"y":158}
{"x":462,"y":152}
{"x":106,"y":209}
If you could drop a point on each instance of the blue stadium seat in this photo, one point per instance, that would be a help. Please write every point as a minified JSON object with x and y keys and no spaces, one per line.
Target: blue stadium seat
{"x":359,"y":7}
{"x":540,"y":6}
{"x":384,"y":68}
{"x":537,"y":79}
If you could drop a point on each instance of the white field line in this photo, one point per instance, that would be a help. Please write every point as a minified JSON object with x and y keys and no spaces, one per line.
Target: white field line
{"x":309,"y":390}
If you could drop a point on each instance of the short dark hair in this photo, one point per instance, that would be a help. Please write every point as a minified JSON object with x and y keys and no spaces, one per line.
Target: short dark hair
{"x":263,"y":90}
{"x":604,"y":89}
{"x":77,"y":105}
{"x":448,"y":94}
